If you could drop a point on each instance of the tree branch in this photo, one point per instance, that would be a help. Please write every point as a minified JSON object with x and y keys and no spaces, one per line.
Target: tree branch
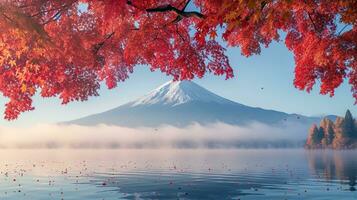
{"x":339,"y":33}
{"x":58,"y":14}
{"x":186,"y":5}
{"x":98,"y":46}
{"x":181,"y":13}
{"x":167,"y":8}
{"x":312,"y":21}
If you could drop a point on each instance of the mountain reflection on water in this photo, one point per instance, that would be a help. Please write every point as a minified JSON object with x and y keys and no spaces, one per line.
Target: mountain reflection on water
{"x":245,"y":174}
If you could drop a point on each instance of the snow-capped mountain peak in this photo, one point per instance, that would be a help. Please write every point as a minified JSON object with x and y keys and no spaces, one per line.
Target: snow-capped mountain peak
{"x":181,"y":103}
{"x":174,"y":93}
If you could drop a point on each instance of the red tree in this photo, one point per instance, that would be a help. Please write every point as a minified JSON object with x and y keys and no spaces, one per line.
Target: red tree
{"x":66,"y":48}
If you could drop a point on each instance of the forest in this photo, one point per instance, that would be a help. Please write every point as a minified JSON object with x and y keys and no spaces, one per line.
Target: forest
{"x":341,"y":134}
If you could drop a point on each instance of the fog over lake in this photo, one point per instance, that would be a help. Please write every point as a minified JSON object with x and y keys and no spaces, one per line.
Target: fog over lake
{"x":217,"y":135}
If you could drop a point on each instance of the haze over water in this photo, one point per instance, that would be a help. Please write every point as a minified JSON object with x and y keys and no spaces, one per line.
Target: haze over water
{"x":177,"y":174}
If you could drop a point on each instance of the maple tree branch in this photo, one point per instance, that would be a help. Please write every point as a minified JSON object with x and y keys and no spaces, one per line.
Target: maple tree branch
{"x":58,"y":14}
{"x":54,"y":17}
{"x":312,"y":21}
{"x":179,"y":17}
{"x":167,"y":8}
{"x":98,"y":46}
{"x":130,"y":3}
{"x":181,"y":13}
{"x":186,"y":5}
{"x":339,"y":33}
{"x":262,"y":5}
{"x":49,"y":10}
{"x":178,"y":32}
{"x":62,"y":7}
{"x":310,"y":18}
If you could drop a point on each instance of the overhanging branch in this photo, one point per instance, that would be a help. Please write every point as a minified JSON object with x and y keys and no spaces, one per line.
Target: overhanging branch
{"x":169,"y":8}
{"x":181,"y":13}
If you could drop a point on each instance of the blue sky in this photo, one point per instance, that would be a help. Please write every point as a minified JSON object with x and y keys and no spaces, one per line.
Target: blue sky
{"x":273,"y":70}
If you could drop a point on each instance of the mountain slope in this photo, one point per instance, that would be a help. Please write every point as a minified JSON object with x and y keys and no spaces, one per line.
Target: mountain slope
{"x":182,"y":103}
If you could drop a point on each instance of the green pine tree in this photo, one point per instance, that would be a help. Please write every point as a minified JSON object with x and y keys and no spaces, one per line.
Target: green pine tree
{"x":348,"y":125}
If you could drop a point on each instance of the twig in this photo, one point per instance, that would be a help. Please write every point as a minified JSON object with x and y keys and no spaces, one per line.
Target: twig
{"x":339,"y":33}
{"x":312,"y":21}
{"x":98,"y":46}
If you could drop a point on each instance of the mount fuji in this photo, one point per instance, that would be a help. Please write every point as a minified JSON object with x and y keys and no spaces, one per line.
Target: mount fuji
{"x":181,"y":103}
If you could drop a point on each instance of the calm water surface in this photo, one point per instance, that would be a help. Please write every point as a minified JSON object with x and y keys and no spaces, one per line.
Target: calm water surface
{"x":177,"y":174}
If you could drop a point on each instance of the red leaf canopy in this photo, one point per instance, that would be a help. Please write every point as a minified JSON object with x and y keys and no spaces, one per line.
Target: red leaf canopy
{"x":66,"y":48}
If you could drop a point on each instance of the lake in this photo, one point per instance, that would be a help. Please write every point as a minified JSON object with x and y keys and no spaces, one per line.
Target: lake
{"x":177,"y":174}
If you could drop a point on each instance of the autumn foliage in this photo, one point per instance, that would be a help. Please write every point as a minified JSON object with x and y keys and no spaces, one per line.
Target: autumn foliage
{"x":341,"y":134}
{"x":66,"y":48}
